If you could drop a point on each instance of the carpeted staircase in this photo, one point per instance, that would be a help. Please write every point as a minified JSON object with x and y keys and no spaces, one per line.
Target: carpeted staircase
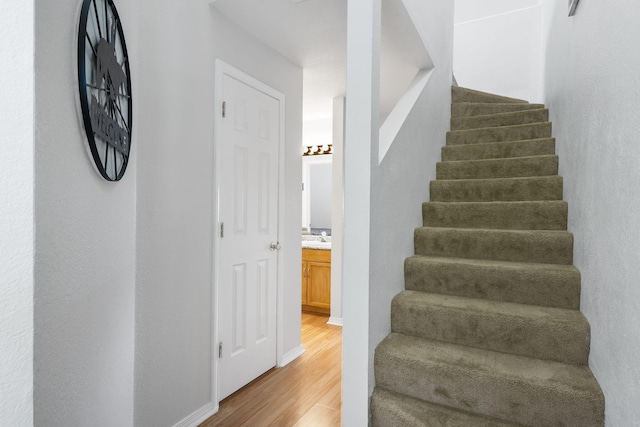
{"x":488,"y":331}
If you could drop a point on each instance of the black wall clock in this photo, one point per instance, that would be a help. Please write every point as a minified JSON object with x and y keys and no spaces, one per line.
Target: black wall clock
{"x":105,"y":87}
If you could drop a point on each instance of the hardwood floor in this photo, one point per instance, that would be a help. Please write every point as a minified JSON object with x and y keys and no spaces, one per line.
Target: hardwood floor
{"x":305,"y":393}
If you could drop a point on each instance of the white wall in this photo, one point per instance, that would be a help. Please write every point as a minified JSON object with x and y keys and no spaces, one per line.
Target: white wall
{"x":593,"y":92}
{"x":400,"y":183}
{"x":147,"y":240}
{"x":85,"y":242}
{"x":174,"y":213}
{"x":16,"y":213}
{"x":498,"y":47}
{"x":361,"y":131}
{"x":379,"y":224}
{"x":175,"y":201}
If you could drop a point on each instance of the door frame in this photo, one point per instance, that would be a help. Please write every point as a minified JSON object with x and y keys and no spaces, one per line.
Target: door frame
{"x":221,"y":69}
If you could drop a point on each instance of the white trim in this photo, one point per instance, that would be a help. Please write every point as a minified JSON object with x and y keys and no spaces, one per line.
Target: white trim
{"x":196,"y":418}
{"x":392,"y":125}
{"x":335,"y":321}
{"x":496,"y":15}
{"x":221,"y":69}
{"x":291,"y":356}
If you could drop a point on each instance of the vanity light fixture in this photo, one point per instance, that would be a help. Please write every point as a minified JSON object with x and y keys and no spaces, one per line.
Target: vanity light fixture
{"x":316,"y":150}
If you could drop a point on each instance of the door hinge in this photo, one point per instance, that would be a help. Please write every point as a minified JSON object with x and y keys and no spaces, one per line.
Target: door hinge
{"x":224,"y":109}
{"x":222,"y":229}
{"x":220,"y":350}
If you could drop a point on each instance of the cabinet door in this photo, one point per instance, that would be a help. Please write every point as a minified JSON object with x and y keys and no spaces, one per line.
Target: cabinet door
{"x":304,"y":283}
{"x":319,"y":288}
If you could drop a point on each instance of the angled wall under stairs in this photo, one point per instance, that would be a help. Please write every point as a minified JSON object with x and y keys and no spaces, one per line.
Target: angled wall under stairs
{"x":488,"y":331}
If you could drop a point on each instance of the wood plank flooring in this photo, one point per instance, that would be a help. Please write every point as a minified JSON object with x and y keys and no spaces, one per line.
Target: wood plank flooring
{"x":305,"y":393}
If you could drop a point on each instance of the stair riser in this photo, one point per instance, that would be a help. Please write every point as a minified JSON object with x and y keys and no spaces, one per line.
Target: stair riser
{"x":547,"y":247}
{"x":499,"y":134}
{"x":471,"y":109}
{"x":551,"y":215}
{"x":535,"y":147}
{"x":459,"y":94}
{"x":519,"y":283}
{"x":516,"y":189}
{"x":563,"y":338}
{"x":500,"y":119}
{"x":392,"y":409}
{"x":487,"y":393}
{"x":498,"y":168}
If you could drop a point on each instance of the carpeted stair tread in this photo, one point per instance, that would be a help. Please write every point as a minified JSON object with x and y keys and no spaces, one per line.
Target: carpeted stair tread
{"x":389,"y":409}
{"x":493,"y":150}
{"x":488,"y":331}
{"x":542,"y":332}
{"x":521,"y":215}
{"x":500,"y":119}
{"x":511,"y":167}
{"x":499,"y":134}
{"x":496,"y":189}
{"x":549,"y":285}
{"x":470,"y":109}
{"x":539,"y":246}
{"x":514,"y":388}
{"x":461,"y":94}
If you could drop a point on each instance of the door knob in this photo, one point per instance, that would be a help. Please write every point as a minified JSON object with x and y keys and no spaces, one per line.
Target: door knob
{"x":274,"y":246}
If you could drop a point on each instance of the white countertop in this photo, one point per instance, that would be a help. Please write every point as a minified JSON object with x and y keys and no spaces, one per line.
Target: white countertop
{"x":316,"y":242}
{"x":316,"y":245}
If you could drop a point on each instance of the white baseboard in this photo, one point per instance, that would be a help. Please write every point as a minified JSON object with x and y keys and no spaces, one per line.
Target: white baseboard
{"x":198,"y":416}
{"x":292,"y":355}
{"x":337,"y":321}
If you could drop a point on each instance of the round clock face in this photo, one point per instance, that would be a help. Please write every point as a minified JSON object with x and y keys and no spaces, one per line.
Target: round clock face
{"x":105,"y":87}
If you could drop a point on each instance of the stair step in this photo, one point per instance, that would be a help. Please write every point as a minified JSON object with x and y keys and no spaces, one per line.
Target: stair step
{"x":493,"y":150}
{"x":470,"y":109}
{"x":538,"y":246}
{"x":536,"y":215}
{"x":518,"y":389}
{"x":394,"y":409}
{"x":498,"y":168}
{"x":496,"y":189}
{"x":500,"y":119}
{"x":527,"y":330}
{"x":548,"y":285}
{"x":461,"y":94}
{"x":499,"y":134}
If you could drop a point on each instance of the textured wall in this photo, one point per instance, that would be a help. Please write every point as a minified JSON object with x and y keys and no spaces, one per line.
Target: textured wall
{"x":379,"y":224}
{"x":16,"y":213}
{"x":174,"y":214}
{"x":175,"y":202}
{"x":593,"y":92}
{"x":400,"y":183}
{"x":85,"y":243}
{"x":498,"y":47}
{"x":102,"y":248}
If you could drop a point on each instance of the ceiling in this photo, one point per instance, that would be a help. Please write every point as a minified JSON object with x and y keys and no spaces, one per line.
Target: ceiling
{"x":313,"y":34}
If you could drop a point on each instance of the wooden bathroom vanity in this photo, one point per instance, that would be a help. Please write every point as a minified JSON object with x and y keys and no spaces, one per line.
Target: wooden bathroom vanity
{"x":316,"y":280}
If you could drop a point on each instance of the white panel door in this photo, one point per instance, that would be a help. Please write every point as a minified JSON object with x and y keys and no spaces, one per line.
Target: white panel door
{"x":249,"y":214}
